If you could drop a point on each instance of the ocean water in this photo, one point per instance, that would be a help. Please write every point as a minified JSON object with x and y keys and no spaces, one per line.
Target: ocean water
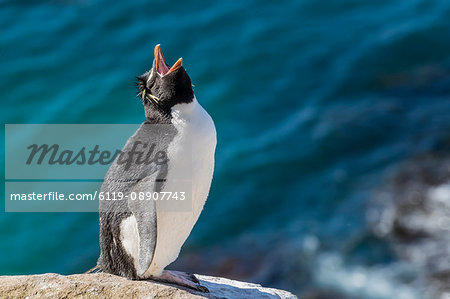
{"x":315,"y":103}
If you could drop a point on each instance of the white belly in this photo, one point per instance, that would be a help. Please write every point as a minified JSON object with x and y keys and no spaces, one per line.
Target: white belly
{"x":196,"y":137}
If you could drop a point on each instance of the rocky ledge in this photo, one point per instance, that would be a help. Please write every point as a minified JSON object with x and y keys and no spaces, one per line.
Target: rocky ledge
{"x":102,"y":285}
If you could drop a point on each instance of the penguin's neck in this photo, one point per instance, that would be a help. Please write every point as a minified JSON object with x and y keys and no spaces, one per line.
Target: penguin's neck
{"x":185,"y":112}
{"x":179,"y":114}
{"x":156,"y":116}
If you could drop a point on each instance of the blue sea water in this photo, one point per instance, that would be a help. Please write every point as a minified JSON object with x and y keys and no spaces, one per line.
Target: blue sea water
{"x":314,"y":102}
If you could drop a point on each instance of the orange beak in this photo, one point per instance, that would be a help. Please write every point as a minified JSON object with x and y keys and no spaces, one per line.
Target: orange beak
{"x":161,"y":66}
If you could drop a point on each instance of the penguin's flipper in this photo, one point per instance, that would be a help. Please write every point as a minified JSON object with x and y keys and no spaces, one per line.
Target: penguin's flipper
{"x":145,"y":213}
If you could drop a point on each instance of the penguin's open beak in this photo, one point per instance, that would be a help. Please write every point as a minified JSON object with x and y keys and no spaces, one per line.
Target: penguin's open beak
{"x":160,"y":64}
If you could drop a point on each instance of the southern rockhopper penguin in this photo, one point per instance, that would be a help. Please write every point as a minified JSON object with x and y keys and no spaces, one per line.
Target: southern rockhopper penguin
{"x":139,"y":238}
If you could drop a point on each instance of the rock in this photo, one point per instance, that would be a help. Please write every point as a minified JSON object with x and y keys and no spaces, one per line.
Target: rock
{"x":412,"y":213}
{"x":102,"y":285}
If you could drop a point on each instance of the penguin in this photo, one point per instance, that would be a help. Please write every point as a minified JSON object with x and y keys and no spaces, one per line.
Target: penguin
{"x":140,"y":238}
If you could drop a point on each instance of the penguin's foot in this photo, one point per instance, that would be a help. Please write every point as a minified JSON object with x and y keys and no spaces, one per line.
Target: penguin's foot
{"x":181,"y":279}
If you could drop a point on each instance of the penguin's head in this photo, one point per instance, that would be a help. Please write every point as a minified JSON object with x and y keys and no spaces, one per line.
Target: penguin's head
{"x":163,"y":87}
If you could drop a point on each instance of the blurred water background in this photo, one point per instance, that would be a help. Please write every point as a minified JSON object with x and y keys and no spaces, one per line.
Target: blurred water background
{"x":317,"y":105}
